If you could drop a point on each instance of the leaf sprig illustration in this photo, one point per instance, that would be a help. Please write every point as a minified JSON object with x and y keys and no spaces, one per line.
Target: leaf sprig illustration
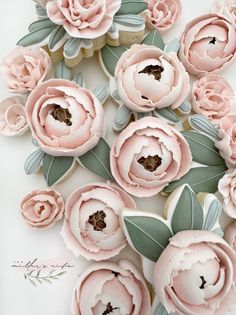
{"x":35,"y":277}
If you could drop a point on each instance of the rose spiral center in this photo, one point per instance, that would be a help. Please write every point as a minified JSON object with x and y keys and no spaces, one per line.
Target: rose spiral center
{"x":97,"y":220}
{"x":153,"y":70}
{"x":109,"y":309}
{"x":150,"y":163}
{"x":62,"y":115}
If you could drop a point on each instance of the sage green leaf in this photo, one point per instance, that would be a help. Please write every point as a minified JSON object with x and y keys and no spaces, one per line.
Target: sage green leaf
{"x":41,"y":12}
{"x":200,"y":179}
{"x":130,"y":20}
{"x":203,"y":125}
{"x":167,"y":113}
{"x":34,"y":162}
{"x":142,"y":115}
{"x":122,"y":118}
{"x":116,"y":95}
{"x":185,"y":108}
{"x":203,"y":149}
{"x":213,"y":215}
{"x":55,"y":167}
{"x":79,"y":79}
{"x":71,"y":46}
{"x":160,"y":310}
{"x":172,"y":46}
{"x":132,"y":7}
{"x":188,"y":214}
{"x":62,"y":71}
{"x":110,"y":56}
{"x":219,"y":232}
{"x":97,"y":160}
{"x":57,"y":34}
{"x":154,"y":38}
{"x":35,"y":37}
{"x":149,"y":236}
{"x":101,"y":92}
{"x":41,"y":24}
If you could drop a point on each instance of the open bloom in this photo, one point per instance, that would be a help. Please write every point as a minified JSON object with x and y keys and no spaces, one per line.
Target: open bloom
{"x":212,"y":96}
{"x":12,"y":116}
{"x":227,"y":188}
{"x":148,"y":78}
{"x":24,"y":68}
{"x":109,"y":288}
{"x":42,"y":208}
{"x":163,"y":14}
{"x":65,"y":119}
{"x":227,"y":8}
{"x":196,"y":274}
{"x":148,"y":155}
{"x":208,"y":44}
{"x":91,"y":227}
{"x":83,"y":19}
{"x":227,"y":145}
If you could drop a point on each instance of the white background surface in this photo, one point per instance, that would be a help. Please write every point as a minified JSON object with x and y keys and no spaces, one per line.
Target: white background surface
{"x":17,"y":240}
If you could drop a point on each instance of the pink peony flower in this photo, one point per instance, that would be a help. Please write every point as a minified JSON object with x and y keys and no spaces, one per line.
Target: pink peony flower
{"x":227,"y":188}
{"x":42,"y":208}
{"x":230,"y":235}
{"x":148,"y":155}
{"x":212,"y":96}
{"x":83,"y":19}
{"x":163,"y":14}
{"x":208,"y":44}
{"x":196,"y":274}
{"x":109,"y":288}
{"x":24,"y":68}
{"x":12,"y":116}
{"x":227,"y":145}
{"x":65,"y":119}
{"x":148,"y":78}
{"x":91,"y":227}
{"x":227,"y":8}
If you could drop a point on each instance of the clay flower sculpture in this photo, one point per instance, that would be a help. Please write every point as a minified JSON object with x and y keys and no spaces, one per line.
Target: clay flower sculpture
{"x":12,"y":116}
{"x":208,"y":44}
{"x":74,"y":29}
{"x":227,"y":188}
{"x":154,"y":153}
{"x":91,"y":227}
{"x":184,"y":281}
{"x":24,"y":68}
{"x":163,"y":14}
{"x":227,"y":8}
{"x":213,"y":97}
{"x":41,"y":209}
{"x":230,"y":235}
{"x":109,"y":288}
{"x":67,"y":123}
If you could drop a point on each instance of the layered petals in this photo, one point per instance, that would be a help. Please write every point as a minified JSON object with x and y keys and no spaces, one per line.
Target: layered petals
{"x":227,"y":188}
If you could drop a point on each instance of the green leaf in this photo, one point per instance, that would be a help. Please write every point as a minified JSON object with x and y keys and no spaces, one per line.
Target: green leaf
{"x":110,"y":56}
{"x":34,"y":162}
{"x":122,"y":118}
{"x":62,"y":71}
{"x":132,"y":7}
{"x":97,"y":160}
{"x":101,"y":92}
{"x":41,"y":12}
{"x":200,"y":179}
{"x":172,"y":46}
{"x":167,"y":113}
{"x":160,"y":310}
{"x":41,"y":24}
{"x":54,"y":168}
{"x":219,"y":232}
{"x":203,"y":125}
{"x":203,"y":149}
{"x":213,"y":215}
{"x":57,"y":34}
{"x":154,"y":38}
{"x":35,"y":37}
{"x":149,"y":236}
{"x":188,"y":213}
{"x":79,"y":79}
{"x":129,"y":20}
{"x":185,"y":108}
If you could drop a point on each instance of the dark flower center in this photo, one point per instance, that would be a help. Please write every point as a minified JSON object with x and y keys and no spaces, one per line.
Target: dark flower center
{"x":41,"y":209}
{"x":155,"y":70}
{"x":202,"y":286}
{"x":62,"y":115}
{"x":150,"y":163}
{"x":97,"y":220}
{"x":213,"y":41}
{"x":109,"y":309}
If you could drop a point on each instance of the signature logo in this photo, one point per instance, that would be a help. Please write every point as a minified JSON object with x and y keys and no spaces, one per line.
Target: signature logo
{"x":38,"y":272}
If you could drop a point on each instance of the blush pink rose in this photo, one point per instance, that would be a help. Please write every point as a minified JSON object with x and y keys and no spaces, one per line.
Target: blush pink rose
{"x":148,"y":78}
{"x":196,"y":274}
{"x":227,"y":188}
{"x":109,"y":288}
{"x":225,"y":7}
{"x":12,"y":116}
{"x":65,"y":119}
{"x":148,"y":155}
{"x":213,"y":97}
{"x":163,"y":14}
{"x":41,"y":209}
{"x":24,"y":68}
{"x":227,"y":146}
{"x":91,"y":227}
{"x":83,"y":19}
{"x":230,"y":235}
{"x":208,"y":44}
